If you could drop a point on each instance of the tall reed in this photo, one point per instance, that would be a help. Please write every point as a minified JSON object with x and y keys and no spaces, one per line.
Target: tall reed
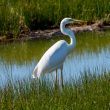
{"x":48,"y":13}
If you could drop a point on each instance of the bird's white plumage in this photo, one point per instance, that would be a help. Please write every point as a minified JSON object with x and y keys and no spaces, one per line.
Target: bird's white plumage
{"x":55,"y":55}
{"x":53,"y":58}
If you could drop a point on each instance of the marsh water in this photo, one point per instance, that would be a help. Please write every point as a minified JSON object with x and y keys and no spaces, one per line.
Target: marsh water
{"x":91,"y":55}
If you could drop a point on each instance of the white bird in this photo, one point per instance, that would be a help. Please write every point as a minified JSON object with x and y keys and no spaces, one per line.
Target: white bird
{"x":54,"y":57}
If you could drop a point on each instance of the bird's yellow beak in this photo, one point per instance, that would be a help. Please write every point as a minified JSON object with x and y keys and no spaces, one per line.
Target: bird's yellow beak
{"x":75,"y":21}
{"x":78,"y":21}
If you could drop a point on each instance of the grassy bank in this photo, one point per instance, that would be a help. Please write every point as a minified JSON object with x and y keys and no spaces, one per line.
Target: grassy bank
{"x":89,"y":93}
{"x":44,"y":14}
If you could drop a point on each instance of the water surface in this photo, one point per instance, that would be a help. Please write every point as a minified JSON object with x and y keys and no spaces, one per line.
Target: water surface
{"x":91,"y":55}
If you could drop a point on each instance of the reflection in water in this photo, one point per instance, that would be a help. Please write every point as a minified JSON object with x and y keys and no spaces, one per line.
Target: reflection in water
{"x":88,"y":62}
{"x":91,"y":55}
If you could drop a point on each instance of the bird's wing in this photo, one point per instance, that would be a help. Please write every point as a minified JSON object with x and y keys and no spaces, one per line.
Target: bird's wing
{"x":54,"y":56}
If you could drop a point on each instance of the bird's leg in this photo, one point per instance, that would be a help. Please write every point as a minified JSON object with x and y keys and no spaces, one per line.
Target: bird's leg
{"x":56,"y":82}
{"x":62,"y":76}
{"x":56,"y":77}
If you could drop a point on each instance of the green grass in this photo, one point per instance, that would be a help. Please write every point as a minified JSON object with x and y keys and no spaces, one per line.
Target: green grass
{"x":90,"y":92}
{"x":47,"y":13}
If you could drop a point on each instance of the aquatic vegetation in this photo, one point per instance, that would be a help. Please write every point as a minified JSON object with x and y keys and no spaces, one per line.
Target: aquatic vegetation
{"x":89,"y":92}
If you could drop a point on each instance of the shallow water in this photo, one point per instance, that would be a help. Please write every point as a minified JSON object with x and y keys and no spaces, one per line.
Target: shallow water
{"x":91,"y":55}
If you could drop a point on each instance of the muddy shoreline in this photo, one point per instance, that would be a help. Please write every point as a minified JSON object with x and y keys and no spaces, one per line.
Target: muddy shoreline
{"x":50,"y":33}
{"x":46,"y":34}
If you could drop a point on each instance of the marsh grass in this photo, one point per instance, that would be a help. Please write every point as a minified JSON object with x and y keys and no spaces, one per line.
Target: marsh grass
{"x":90,"y":92}
{"x":41,"y":14}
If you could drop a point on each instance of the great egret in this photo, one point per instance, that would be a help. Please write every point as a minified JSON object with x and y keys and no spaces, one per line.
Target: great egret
{"x":54,"y":57}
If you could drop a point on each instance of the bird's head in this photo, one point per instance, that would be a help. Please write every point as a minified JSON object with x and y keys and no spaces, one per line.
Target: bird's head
{"x":69,"y":20}
{"x":66,"y":21}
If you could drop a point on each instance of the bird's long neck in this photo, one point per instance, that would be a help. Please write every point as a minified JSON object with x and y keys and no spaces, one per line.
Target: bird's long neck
{"x":70,"y":33}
